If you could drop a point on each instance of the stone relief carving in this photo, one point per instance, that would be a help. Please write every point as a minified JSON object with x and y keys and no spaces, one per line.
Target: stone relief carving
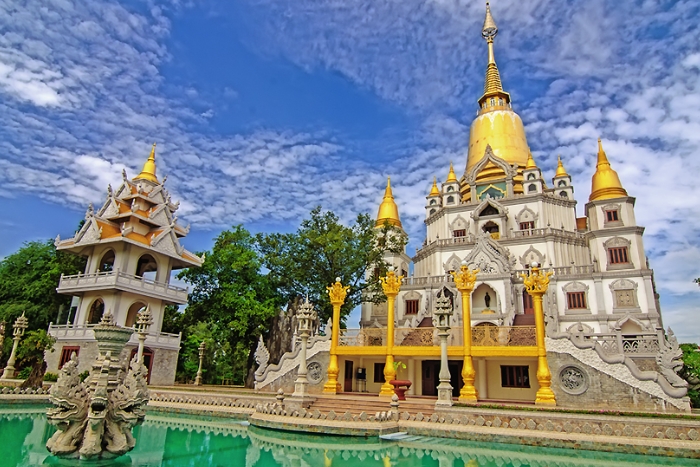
{"x":489,"y":156}
{"x":530,"y":255}
{"x":490,"y":257}
{"x":573,"y":380}
{"x":526,"y":215}
{"x":315,"y":372}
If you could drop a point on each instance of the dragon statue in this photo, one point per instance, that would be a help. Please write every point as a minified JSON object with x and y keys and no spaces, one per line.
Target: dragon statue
{"x":95,"y":418}
{"x":670,"y":360}
{"x":70,"y":397}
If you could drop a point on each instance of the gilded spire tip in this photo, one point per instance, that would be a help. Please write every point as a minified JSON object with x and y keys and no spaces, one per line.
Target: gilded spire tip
{"x":561,"y":172}
{"x":605,"y":183}
{"x":451,"y":177}
{"x":530,"y":161}
{"x":388,"y":210}
{"x":434,"y":191}
{"x":149,"y":168}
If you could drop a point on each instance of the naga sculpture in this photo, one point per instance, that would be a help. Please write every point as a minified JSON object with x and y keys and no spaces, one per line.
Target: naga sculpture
{"x":95,"y":418}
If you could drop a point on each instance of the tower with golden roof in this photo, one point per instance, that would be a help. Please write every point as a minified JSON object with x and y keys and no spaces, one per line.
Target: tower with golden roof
{"x":132,"y":246}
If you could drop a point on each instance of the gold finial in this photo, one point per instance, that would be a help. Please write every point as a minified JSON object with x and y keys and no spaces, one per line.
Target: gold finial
{"x":388,"y":211}
{"x":530,"y":162}
{"x":535,"y":282}
{"x":465,"y":278}
{"x":149,"y":168}
{"x":337,"y":292}
{"x":391,"y":283}
{"x":561,"y":171}
{"x":434,"y":191}
{"x":451,"y":177}
{"x":490,"y":29}
{"x":605,"y":183}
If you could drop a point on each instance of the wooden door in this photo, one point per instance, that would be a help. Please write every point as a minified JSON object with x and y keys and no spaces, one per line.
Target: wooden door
{"x":528,"y":307}
{"x":348,"y":376}
{"x":430,"y":370}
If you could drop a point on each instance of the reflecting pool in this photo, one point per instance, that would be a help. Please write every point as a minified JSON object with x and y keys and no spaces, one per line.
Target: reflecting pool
{"x":175,"y":440}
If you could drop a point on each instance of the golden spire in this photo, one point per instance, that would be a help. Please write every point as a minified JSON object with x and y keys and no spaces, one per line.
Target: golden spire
{"x":388,"y":211}
{"x":492,"y":84}
{"x":605,"y":184}
{"x":561,"y":171}
{"x":451,"y":177}
{"x":149,"y":168}
{"x":530,"y":162}
{"x":434,"y":191}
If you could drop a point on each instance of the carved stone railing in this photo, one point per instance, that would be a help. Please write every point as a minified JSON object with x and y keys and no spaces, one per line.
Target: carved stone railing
{"x":503,"y":336}
{"x":415,"y":337}
{"x":362,"y":337}
{"x":642,"y":344}
{"x":67,"y":332}
{"x":122,"y":281}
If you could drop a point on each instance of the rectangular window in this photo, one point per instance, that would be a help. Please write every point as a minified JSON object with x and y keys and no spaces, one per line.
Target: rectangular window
{"x":66,"y":353}
{"x":515,"y":376}
{"x":379,"y":372}
{"x":375,"y":273}
{"x":459,"y":233}
{"x":529,"y":225}
{"x":411,"y":307}
{"x":611,"y":216}
{"x":618,"y":255}
{"x":576,"y":299}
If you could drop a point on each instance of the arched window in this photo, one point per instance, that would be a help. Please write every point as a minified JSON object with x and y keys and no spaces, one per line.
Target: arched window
{"x":493,"y":102}
{"x":530,"y":176}
{"x":450,"y":200}
{"x":432,"y":211}
{"x":146,"y":264}
{"x":489,"y":211}
{"x":132,"y":314}
{"x":106,"y":262}
{"x":532,"y":188}
{"x":433,"y":202}
{"x":563,"y":194}
{"x":97,"y":309}
{"x":562,"y":182}
{"x":491,"y":227}
{"x":500,"y":101}
{"x":450,"y":189}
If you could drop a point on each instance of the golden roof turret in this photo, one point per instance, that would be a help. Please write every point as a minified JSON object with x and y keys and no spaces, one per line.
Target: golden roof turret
{"x":496,"y":124}
{"x":149,"y":168}
{"x":561,"y":171}
{"x":606,"y":183}
{"x":434,"y":191}
{"x":388,"y":211}
{"x":451,"y":177}
{"x":530,"y":161}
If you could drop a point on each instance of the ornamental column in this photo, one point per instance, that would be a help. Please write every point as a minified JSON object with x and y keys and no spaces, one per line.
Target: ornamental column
{"x":20,"y":325}
{"x":443,"y":311}
{"x":464,"y":281}
{"x":337,"y":293}
{"x":536,"y":285}
{"x":198,"y":378}
{"x":391,"y":284}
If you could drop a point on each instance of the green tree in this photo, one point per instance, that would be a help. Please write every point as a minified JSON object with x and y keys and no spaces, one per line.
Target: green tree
{"x":28,"y":281}
{"x":30,"y":354}
{"x":309,"y":260}
{"x":691,"y":372}
{"x":233,"y":298}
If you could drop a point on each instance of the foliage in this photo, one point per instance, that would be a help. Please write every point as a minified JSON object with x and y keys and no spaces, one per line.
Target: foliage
{"x":83,"y":376}
{"x":30,"y":355}
{"x":172,"y":319}
{"x":24,"y":372}
{"x":307,"y":261}
{"x":28,"y":281}
{"x":691,"y":372}
{"x":231,"y":303}
{"x":53,"y":377}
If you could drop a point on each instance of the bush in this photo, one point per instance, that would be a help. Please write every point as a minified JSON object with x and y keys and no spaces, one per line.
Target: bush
{"x":24,"y":372}
{"x":84,"y":375}
{"x":53,"y":377}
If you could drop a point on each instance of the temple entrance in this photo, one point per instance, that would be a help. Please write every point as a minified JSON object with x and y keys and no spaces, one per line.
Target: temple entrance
{"x":431,"y":376}
{"x":528,"y":306}
{"x":347,"y":387}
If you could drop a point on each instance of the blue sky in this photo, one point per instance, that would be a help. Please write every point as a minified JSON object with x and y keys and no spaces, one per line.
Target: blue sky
{"x":263,"y":109}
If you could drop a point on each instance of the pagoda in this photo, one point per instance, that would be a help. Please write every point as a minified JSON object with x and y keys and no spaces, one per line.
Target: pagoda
{"x":132,"y":246}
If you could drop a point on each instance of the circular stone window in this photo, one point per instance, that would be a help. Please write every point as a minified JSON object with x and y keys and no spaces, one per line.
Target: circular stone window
{"x":315,"y":372}
{"x":573,"y":380}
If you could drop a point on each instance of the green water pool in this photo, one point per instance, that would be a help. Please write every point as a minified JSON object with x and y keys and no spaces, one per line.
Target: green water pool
{"x":175,"y":440}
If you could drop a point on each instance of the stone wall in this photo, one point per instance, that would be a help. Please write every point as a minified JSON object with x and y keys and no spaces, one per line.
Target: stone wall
{"x":581,"y":380}
{"x":317,"y":375}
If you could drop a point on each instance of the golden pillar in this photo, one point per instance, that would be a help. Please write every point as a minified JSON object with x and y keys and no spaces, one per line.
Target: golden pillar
{"x":337,"y":293}
{"x":465,"y":280}
{"x":391,"y":284}
{"x":536,"y":285}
